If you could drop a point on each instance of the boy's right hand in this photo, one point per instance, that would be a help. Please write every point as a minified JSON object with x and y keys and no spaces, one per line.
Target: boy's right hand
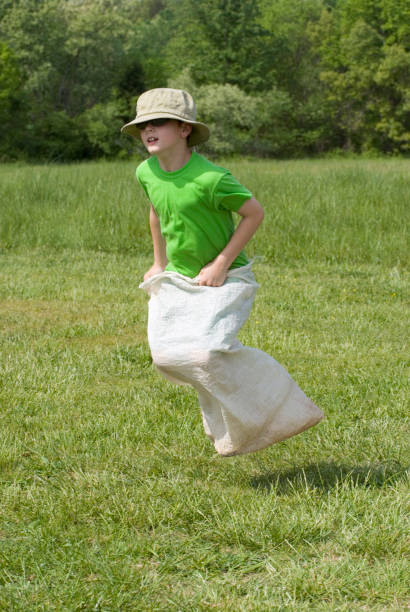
{"x":154,"y":269}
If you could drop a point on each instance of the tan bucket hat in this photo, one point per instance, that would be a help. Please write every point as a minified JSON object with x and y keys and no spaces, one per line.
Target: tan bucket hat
{"x":163,"y":102}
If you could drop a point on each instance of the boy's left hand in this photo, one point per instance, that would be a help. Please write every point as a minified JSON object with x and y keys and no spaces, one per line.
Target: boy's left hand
{"x":213,"y":274}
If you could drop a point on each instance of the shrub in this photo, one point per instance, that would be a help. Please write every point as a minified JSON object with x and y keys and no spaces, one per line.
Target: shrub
{"x":102,"y":125}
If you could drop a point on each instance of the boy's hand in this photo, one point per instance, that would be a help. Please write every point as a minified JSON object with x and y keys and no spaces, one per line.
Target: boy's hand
{"x":213,"y":274}
{"x":154,"y":269}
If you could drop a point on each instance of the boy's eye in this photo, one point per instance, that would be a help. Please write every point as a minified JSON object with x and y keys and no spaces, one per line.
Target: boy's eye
{"x":154,"y":122}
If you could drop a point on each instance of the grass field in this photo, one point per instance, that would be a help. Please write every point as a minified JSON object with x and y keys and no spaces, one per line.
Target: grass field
{"x":111,"y":496}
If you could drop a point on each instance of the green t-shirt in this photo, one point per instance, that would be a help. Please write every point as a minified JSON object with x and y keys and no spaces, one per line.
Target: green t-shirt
{"x":194,"y":206}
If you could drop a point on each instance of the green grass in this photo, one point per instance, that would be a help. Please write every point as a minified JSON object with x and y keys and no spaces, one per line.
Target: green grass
{"x":111,"y":496}
{"x":329,"y":211}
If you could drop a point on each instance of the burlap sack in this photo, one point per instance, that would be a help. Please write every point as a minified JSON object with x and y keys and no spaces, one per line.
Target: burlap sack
{"x":248,"y":400}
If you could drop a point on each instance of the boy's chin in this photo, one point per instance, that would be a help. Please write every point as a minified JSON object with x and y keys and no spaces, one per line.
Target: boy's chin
{"x":153,"y":148}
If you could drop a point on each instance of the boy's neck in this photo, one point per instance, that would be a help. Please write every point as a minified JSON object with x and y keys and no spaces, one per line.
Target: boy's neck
{"x":175,"y":160}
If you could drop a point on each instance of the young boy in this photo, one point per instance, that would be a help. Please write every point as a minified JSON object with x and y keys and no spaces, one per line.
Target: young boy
{"x":201,"y":286}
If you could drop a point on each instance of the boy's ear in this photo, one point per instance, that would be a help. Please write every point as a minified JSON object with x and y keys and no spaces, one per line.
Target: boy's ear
{"x":186,"y":129}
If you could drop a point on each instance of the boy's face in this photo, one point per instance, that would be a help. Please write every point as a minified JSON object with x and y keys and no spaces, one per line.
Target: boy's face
{"x":165,"y":138}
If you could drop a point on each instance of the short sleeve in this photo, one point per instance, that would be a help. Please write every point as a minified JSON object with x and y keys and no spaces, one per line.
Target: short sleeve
{"x":139,"y":173}
{"x":229,"y":194}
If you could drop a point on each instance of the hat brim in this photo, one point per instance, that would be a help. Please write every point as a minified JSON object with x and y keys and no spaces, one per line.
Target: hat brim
{"x":200,"y":131}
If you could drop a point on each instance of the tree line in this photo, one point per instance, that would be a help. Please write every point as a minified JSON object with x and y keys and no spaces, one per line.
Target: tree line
{"x":280,"y":78}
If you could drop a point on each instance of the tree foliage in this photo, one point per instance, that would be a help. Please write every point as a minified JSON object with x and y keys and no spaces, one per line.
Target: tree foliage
{"x":271,"y":77}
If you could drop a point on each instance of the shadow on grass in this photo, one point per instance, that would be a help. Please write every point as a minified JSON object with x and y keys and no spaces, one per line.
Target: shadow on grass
{"x":326,"y":476}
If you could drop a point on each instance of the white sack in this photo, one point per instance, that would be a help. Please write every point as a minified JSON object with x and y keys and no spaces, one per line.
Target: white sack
{"x":248,"y":400}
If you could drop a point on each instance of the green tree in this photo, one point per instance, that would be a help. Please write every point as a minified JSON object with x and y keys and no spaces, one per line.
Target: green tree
{"x":393,"y":80}
{"x":10,"y":100}
{"x":295,"y":72}
{"x":365,"y":74}
{"x":220,"y":41}
{"x":288,"y":22}
{"x":281,"y":77}
{"x":72,"y":56}
{"x":10,"y":82}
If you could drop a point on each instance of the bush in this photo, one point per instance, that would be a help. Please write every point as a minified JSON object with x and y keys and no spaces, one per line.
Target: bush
{"x":230,"y":114}
{"x":102,"y":125}
{"x":243,"y":123}
{"x":55,"y":136}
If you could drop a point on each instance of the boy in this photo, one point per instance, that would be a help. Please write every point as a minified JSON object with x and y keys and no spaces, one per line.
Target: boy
{"x":201,"y":287}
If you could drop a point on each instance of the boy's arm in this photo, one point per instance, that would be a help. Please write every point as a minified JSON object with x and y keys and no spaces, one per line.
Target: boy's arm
{"x":158,"y":242}
{"x":214,"y":273}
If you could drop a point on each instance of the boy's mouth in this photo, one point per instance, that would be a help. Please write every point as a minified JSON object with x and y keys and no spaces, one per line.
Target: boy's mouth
{"x":152,"y":139}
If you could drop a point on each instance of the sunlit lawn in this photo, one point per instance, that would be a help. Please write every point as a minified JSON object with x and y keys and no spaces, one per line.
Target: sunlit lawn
{"x":112,"y":498}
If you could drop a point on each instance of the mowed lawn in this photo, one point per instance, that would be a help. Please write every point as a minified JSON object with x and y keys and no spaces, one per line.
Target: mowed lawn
{"x":112,"y":498}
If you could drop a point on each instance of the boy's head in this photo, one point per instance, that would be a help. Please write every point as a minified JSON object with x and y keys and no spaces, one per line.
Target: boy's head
{"x":165,"y":103}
